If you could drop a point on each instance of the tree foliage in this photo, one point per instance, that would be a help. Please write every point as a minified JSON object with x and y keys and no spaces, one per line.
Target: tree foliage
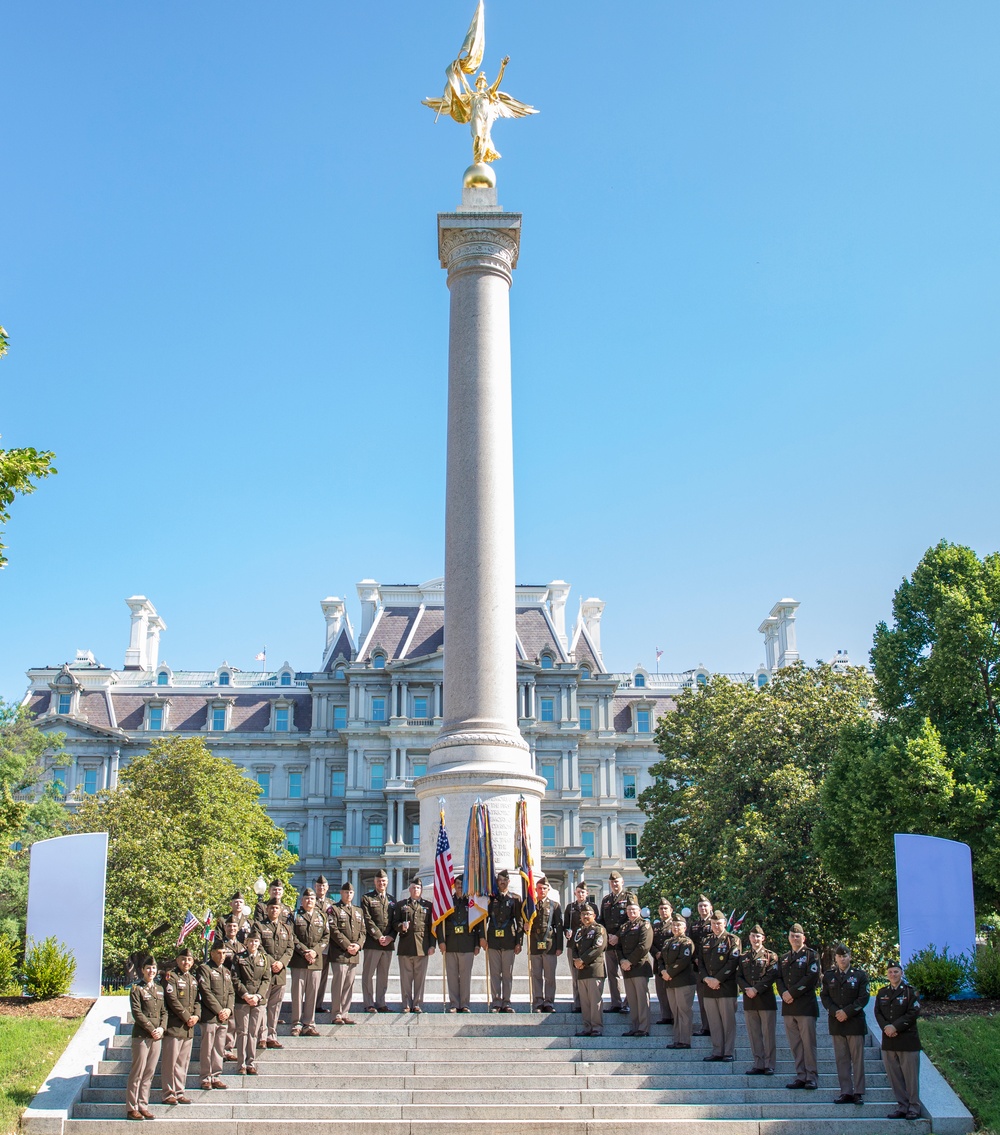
{"x":736,"y":796}
{"x":185,"y":830}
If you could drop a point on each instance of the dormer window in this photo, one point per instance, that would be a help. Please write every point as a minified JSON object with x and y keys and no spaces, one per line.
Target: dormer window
{"x":65,"y":704}
{"x":639,"y":681}
{"x":547,"y":661}
{"x":285,"y":679}
{"x":702,"y":679}
{"x":65,"y":698}
{"x":584,"y":673}
{"x":339,"y":673}
{"x":282,"y":716}
{"x":163,"y":678}
{"x":219,"y":715}
{"x":378,"y":661}
{"x":224,"y":678}
{"x":156,"y":714}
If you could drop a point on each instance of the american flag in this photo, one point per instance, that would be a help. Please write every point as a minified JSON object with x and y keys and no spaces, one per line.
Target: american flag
{"x":190,"y":922}
{"x":659,"y":654}
{"x":444,"y":878}
{"x":262,"y":656}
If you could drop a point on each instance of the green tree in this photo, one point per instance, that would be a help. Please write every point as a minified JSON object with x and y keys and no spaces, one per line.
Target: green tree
{"x":736,"y":796}
{"x":185,"y":829}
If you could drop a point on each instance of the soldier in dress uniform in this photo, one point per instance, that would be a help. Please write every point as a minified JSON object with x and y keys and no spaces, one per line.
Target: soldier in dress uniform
{"x":698,"y":928}
{"x":251,"y":982}
{"x":275,"y":890}
{"x":503,"y":934}
{"x":324,"y":904}
{"x":679,"y":976}
{"x":588,"y":948}
{"x":612,"y":917}
{"x":376,"y":910}
{"x":412,"y":923}
{"x":571,"y":923}
{"x":234,"y":947}
{"x":459,"y":945}
{"x":239,"y":910}
{"x":180,"y":991}
{"x":218,"y":999}
{"x":755,"y":976}
{"x":149,"y":1021}
{"x":797,"y":978}
{"x":662,"y":933}
{"x":897,"y":1007}
{"x":545,"y":945}
{"x":845,"y":993}
{"x":718,"y":959}
{"x":634,"y":943}
{"x":277,"y":942}
{"x":347,"y":935}
{"x":311,"y":936}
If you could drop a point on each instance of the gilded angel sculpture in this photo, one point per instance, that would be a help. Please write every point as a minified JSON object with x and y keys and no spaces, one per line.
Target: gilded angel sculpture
{"x":482,"y":104}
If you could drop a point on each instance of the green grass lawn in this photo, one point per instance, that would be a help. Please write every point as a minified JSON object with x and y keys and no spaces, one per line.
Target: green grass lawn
{"x":967,"y":1052}
{"x":29,"y":1046}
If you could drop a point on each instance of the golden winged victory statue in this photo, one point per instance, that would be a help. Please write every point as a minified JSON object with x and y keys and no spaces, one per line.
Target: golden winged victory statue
{"x":480,"y":105}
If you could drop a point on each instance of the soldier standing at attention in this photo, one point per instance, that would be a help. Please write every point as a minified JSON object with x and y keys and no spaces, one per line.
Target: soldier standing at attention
{"x":503,"y":941}
{"x":276,"y":939}
{"x":662,"y":933}
{"x":459,"y":945}
{"x":797,"y":978}
{"x":699,"y":928}
{"x":234,"y":949}
{"x":845,"y":994}
{"x":571,"y":923}
{"x":717,"y":964}
{"x":311,"y":936}
{"x":149,"y":1020}
{"x":589,"y":944}
{"x":412,"y":923}
{"x":612,"y":917}
{"x":679,"y":976}
{"x":376,"y":910}
{"x":274,"y":891}
{"x":239,"y":910}
{"x":251,"y":981}
{"x":544,"y":947}
{"x":634,"y":944}
{"x":347,"y":934}
{"x":755,"y":976}
{"x":218,"y":999}
{"x":897,"y":1007}
{"x":324,"y":904}
{"x":180,"y":991}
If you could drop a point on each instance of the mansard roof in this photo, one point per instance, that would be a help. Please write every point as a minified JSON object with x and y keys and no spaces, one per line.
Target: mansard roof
{"x":582,"y":650}
{"x":342,"y":649}
{"x":427,"y":633}
{"x":536,"y":634}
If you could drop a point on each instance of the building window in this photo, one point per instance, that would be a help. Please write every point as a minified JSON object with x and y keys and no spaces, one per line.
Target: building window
{"x":761,"y":681}
{"x":418,"y":768}
{"x":281,"y":718}
{"x":219,"y":719}
{"x":420,"y":707}
{"x":336,"y":842}
{"x":292,"y":842}
{"x":155,"y":717}
{"x":376,"y":777}
{"x":549,"y":773}
{"x":546,"y":661}
{"x":631,"y":845}
{"x":548,"y":709}
{"x":285,"y":679}
{"x":163,"y":678}
{"x":584,"y":673}
{"x":702,"y":679}
{"x":339,"y":672}
{"x":378,"y":709}
{"x":376,"y":834}
{"x":295,"y":786}
{"x":340,"y":717}
{"x":586,"y":717}
{"x":548,"y":835}
{"x":90,"y":780}
{"x":58,"y":783}
{"x":587,"y":785}
{"x":628,"y":785}
{"x":642,"y":720}
{"x":65,"y":703}
{"x":224,"y":678}
{"x":338,"y":782}
{"x":264,"y":780}
{"x":639,"y":681}
{"x":588,"y":839}
{"x":378,"y":662}
{"x":415,"y":832}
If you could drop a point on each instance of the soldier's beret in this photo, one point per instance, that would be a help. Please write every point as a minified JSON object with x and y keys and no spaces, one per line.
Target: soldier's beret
{"x":718,"y":916}
{"x":504,"y":874}
{"x":236,"y":895}
{"x":615,"y":876}
{"x":756,"y":928}
{"x":796,"y":928}
{"x":346,"y":885}
{"x":381,"y":874}
{"x":308,"y":893}
{"x":149,"y":960}
{"x":253,"y":933}
{"x":705,"y":898}
{"x":322,"y":879}
{"x":185,"y":953}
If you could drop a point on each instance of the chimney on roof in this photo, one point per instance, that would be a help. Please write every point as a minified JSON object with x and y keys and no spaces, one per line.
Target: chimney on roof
{"x":334,"y":610}
{"x":769,"y":629}
{"x":591,"y":610}
{"x":143,"y":614}
{"x":368,"y":593}
{"x":558,"y":594}
{"x":778,"y":629}
{"x":154,"y":626}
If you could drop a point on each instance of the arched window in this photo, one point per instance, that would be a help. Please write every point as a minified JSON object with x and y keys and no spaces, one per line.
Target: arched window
{"x":224,"y":678}
{"x":584,"y":673}
{"x":761,"y":681}
{"x":640,"y":681}
{"x":286,"y":678}
{"x":163,"y":678}
{"x":339,"y":672}
{"x":702,"y":679}
{"x":378,"y":661}
{"x":547,"y":661}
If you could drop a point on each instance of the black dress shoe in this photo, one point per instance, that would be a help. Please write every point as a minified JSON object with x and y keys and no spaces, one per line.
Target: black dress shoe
{"x":768,"y":1071}
{"x":585,"y":1032}
{"x":640,"y":1034}
{"x":577,"y":1010}
{"x":665,"y":1021}
{"x":702,"y":1032}
{"x":727,"y":1059}
{"x":631,"y":1032}
{"x":465,"y":1009}
{"x":909,"y":1115}
{"x":810,"y":1085}
{"x":844,"y":1099}
{"x":899,"y":1113}
{"x":712,"y":1059}
{"x":859,"y":1099}
{"x":615,"y":1009}
{"x":754,"y":1072}
{"x":796,"y":1084}
{"x":680,"y":1046}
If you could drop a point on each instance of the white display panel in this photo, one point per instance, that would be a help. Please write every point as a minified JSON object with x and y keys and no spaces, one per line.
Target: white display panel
{"x":934,"y":892}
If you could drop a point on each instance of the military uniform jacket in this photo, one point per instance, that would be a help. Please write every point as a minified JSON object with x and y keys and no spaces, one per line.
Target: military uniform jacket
{"x":900,"y":1008}
{"x":180,"y":991}
{"x":546,"y":935}
{"x":215,"y":984}
{"x":276,"y":942}
{"x":242,"y":927}
{"x":251,"y":975}
{"x":698,"y":929}
{"x":311,"y":932}
{"x":234,"y":948}
{"x":376,"y":910}
{"x":571,"y":917}
{"x":347,"y":928}
{"x":260,"y":913}
{"x":454,"y":932}
{"x":612,"y":915}
{"x":757,"y":971}
{"x":634,"y":944}
{"x":419,"y":938}
{"x":589,"y":946}
{"x":719,"y":957}
{"x":798,"y":974}
{"x":677,"y":958}
{"x":503,"y":922}
{"x":847,"y":991}
{"x":662,"y":934}
{"x":149,"y":1009}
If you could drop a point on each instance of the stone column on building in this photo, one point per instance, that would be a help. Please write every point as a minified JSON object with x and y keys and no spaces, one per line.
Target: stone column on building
{"x":479,"y":751}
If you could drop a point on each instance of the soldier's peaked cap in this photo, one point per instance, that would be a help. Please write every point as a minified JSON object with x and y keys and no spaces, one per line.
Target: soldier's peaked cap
{"x":718,"y":916}
{"x":704,"y":898}
{"x":149,"y":960}
{"x":276,"y":883}
{"x":236,"y":895}
{"x":347,"y":885}
{"x":632,"y":899}
{"x":253,"y":933}
{"x":381,"y":874}
{"x":322,"y":879}
{"x":796,"y":928}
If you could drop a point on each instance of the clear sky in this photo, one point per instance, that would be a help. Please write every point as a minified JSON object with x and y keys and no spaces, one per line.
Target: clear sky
{"x":754,"y":320}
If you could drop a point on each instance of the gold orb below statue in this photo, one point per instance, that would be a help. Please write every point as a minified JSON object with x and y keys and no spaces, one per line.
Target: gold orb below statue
{"x":479,"y":176}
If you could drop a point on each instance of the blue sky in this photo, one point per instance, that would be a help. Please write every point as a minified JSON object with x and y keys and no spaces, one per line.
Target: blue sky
{"x":754,"y":319}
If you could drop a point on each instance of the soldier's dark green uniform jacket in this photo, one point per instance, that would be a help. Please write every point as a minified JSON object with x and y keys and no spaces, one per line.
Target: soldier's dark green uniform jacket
{"x":677,"y":958}
{"x":546,"y":936}
{"x":251,"y":975}
{"x":612,"y":915}
{"x":276,"y":942}
{"x":900,"y":1008}
{"x":698,"y":929}
{"x":634,"y":943}
{"x":234,"y":948}
{"x":571,"y":917}
{"x":260,"y":912}
{"x":848,"y":991}
{"x":798,"y":974}
{"x":589,"y":946}
{"x":215,"y":985}
{"x":347,"y":928}
{"x":311,"y":932}
{"x":662,"y":933}
{"x":149,"y":1009}
{"x":757,"y":970}
{"x":454,"y":932}
{"x":719,"y":957}
{"x":503,"y":922}
{"x":416,"y":941}
{"x":180,"y":991}
{"x":376,"y":910}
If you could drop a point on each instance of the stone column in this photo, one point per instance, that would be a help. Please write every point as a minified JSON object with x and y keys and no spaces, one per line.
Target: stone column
{"x":479,"y":751}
